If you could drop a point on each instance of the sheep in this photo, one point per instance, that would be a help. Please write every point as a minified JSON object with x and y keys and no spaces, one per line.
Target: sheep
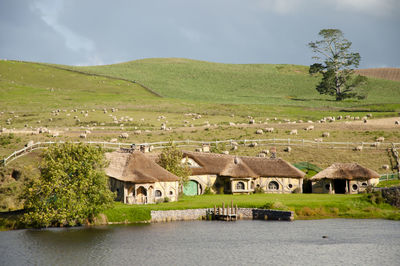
{"x":252,"y":121}
{"x":397,"y":122}
{"x":124,"y":135}
{"x":293,"y":132}
{"x":113,"y":140}
{"x":83,"y":136}
{"x":380,"y":139}
{"x":287,"y":149}
{"x":325,"y":134}
{"x":137,"y":132}
{"x":259,"y":131}
{"x":253,"y":144}
{"x":318,"y":140}
{"x":269,"y":129}
{"x":358,"y":148}
{"x":265,"y":151}
{"x":261,"y":155}
{"x":375,"y":144}
{"x":309,"y":128}
{"x":87,"y":132}
{"x":385,"y":166}
{"x":231,"y":124}
{"x":225,"y":152}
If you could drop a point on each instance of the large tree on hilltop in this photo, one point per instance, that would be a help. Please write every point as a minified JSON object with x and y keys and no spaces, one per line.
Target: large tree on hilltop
{"x":336,"y":64}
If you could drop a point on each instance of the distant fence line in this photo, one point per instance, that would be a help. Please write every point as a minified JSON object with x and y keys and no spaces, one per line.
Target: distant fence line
{"x":196,"y":143}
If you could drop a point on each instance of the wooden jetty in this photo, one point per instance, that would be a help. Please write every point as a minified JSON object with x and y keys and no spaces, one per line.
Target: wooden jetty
{"x":230,"y":213}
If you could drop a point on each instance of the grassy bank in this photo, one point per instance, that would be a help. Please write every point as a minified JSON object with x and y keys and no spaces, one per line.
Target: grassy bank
{"x":305,"y":206}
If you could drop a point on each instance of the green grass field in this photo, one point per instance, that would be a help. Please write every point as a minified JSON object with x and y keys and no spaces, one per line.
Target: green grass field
{"x":239,"y":83}
{"x":305,"y":206}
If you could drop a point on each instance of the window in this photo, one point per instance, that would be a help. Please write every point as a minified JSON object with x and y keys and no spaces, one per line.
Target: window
{"x":158,"y":193}
{"x":273,"y":185}
{"x":354,"y":187}
{"x":364,"y":185}
{"x":240,"y":186}
{"x":171,"y":193}
{"x":290,"y":185}
{"x":327,"y":186}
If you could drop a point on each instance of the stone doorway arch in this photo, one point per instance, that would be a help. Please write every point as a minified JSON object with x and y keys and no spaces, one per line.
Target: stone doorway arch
{"x":141,"y":195}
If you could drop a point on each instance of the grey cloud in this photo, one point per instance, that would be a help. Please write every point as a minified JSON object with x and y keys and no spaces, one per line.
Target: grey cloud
{"x":229,"y":31}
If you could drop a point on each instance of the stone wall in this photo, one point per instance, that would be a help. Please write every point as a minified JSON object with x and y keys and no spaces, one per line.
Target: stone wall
{"x":392,"y":195}
{"x":198,"y":214}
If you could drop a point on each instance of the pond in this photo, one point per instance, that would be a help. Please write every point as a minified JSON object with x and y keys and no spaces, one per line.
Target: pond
{"x":315,"y":242}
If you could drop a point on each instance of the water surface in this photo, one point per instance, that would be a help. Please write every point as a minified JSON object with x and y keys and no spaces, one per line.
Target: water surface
{"x":348,"y":242}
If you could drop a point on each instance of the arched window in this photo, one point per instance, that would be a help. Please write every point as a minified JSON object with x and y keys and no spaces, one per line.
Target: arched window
{"x":273,"y":185}
{"x":240,"y":186}
{"x":354,"y":187}
{"x":158,"y":193}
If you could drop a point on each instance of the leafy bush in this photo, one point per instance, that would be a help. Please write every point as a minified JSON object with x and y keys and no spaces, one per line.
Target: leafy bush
{"x":72,"y":187}
{"x":170,"y":159}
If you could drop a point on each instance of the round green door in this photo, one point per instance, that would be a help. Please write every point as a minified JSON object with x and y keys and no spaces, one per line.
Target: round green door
{"x":191,"y":188}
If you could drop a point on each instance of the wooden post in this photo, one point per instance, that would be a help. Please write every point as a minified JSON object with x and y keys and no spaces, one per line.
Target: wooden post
{"x":215,"y":209}
{"x":223,"y":208}
{"x":231,"y":206}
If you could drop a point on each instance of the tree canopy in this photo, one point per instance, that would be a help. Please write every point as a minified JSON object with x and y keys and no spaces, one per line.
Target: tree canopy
{"x":336,"y":64}
{"x":72,"y":187}
{"x":171,"y":160}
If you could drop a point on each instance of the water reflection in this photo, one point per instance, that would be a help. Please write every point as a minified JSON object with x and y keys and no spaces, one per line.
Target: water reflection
{"x":347,"y":242}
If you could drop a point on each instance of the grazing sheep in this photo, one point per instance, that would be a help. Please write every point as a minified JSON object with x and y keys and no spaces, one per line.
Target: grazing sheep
{"x":325,"y":135}
{"x":310,"y":122}
{"x":385,"y":166}
{"x":269,"y":129}
{"x":287,"y":149}
{"x":83,"y":136}
{"x":259,"y":131}
{"x":87,"y":132}
{"x":318,"y":140}
{"x":293,"y":132}
{"x":253,"y":144}
{"x":309,"y":128}
{"x":375,"y":144}
{"x":231,"y":124}
{"x":265,"y":151}
{"x":124,"y":135}
{"x":225,"y":152}
{"x":397,"y":122}
{"x":113,"y":140}
{"x":29,"y":144}
{"x":261,"y":155}
{"x":380,"y":139}
{"x":358,"y":148}
{"x":137,"y":132}
{"x":369,"y":115}
{"x":55,"y":134}
{"x":252,"y":121}
{"x":234,"y":148}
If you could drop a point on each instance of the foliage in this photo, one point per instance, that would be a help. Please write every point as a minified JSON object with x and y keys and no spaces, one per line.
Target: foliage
{"x":72,"y":187}
{"x":208,"y":191}
{"x":171,"y":160}
{"x":335,"y":65}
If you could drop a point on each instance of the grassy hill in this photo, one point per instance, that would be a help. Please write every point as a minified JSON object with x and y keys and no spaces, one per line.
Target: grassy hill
{"x":36,"y":87}
{"x":240,"y":84}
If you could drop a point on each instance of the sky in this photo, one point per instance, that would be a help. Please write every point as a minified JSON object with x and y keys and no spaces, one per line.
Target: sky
{"x":97,"y":32}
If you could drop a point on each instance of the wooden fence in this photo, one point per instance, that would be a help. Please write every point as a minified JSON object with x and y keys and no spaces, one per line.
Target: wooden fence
{"x":230,"y":142}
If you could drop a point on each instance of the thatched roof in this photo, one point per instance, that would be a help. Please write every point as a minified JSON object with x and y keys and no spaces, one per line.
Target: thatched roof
{"x":346,"y":171}
{"x":136,"y":168}
{"x":241,"y":166}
